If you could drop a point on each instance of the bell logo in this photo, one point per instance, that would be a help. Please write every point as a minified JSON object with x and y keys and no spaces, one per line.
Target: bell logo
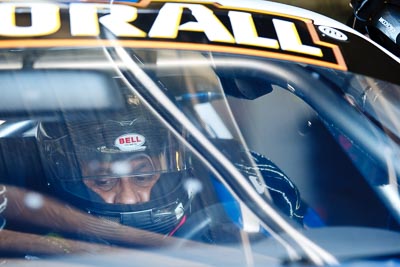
{"x":130,"y":142}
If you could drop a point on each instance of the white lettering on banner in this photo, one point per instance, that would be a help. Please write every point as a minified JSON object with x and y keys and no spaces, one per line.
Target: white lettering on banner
{"x":289,"y":39}
{"x":86,"y":18}
{"x":167,"y":23}
{"x":45,"y":19}
{"x":245,"y":31}
{"x":118,"y":21}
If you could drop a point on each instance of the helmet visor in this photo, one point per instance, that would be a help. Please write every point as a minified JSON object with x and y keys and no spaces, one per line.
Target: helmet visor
{"x":101,"y":161}
{"x":103,"y":177}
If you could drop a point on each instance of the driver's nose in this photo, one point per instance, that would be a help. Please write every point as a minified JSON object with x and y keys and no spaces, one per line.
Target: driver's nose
{"x":127,"y":192}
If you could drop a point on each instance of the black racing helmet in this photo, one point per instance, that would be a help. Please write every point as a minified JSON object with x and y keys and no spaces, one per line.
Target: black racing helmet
{"x":86,"y":160}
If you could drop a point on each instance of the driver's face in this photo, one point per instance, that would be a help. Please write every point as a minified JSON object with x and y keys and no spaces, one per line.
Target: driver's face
{"x":123,"y":187}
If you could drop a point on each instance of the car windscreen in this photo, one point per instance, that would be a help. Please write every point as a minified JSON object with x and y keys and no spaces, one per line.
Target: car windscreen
{"x":216,"y":148}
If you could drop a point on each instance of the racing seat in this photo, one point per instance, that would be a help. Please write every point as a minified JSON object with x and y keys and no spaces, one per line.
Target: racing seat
{"x":20,"y":164}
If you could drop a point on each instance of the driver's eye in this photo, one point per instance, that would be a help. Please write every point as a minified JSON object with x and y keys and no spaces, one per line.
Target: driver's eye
{"x":105,"y":184}
{"x":144,"y":180}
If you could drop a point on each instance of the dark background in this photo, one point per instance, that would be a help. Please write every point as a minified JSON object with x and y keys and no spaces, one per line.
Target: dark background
{"x":336,"y":9}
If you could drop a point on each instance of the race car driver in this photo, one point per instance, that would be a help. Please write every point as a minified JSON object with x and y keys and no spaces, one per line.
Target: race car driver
{"x":125,"y":167}
{"x":128,"y":168}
